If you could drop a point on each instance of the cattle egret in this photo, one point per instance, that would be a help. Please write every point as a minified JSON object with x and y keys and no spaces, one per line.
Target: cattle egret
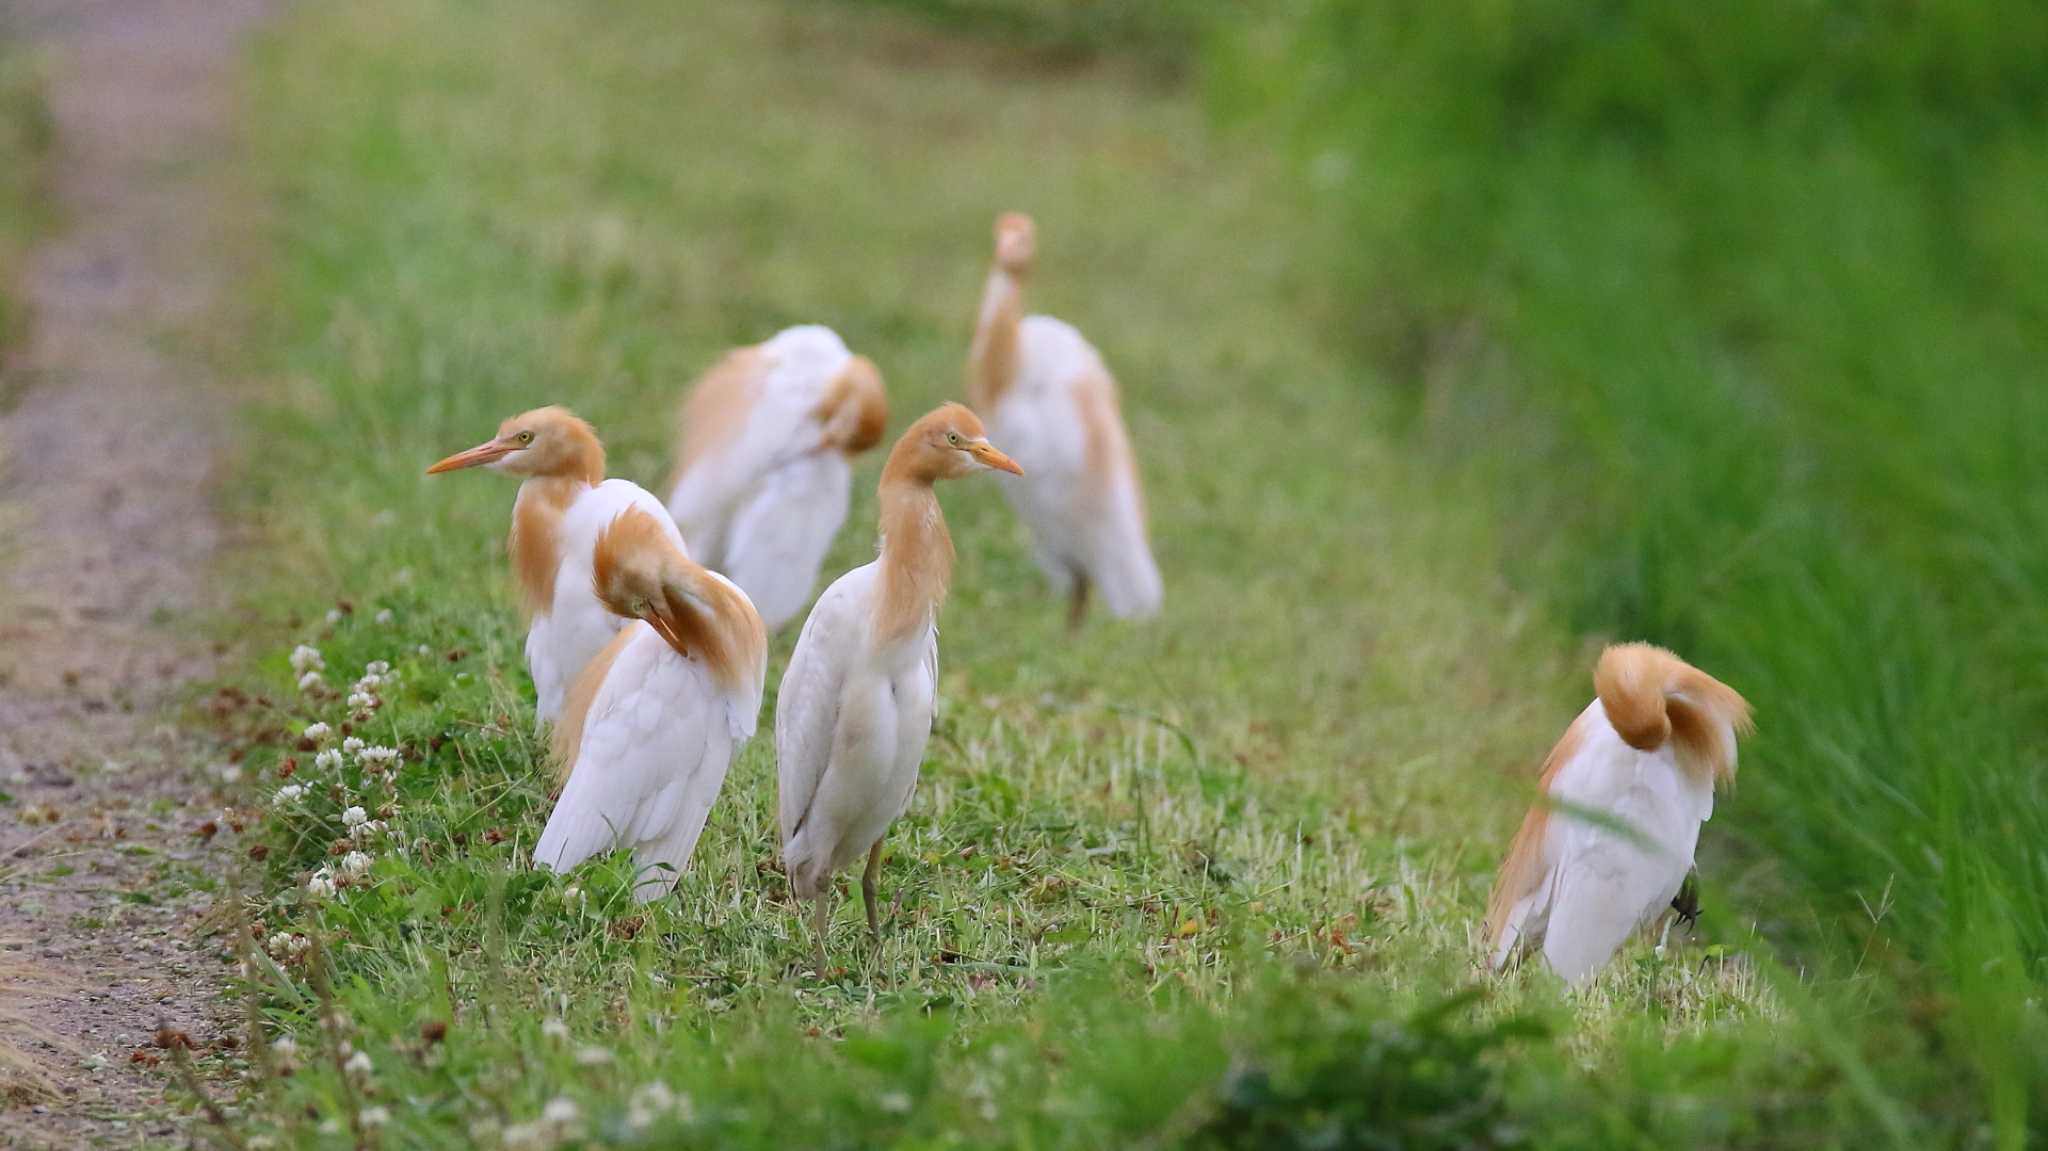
{"x":563,"y":504}
{"x":1050,"y":401}
{"x":764,"y":461}
{"x":655,"y":720}
{"x":1631,"y":781}
{"x":855,"y":707}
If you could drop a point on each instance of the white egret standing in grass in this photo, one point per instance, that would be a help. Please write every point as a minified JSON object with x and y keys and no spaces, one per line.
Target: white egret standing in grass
{"x":563,"y":504}
{"x":1631,"y":782}
{"x":1049,"y":400}
{"x":655,"y":720}
{"x":763,"y":461}
{"x":856,"y":704}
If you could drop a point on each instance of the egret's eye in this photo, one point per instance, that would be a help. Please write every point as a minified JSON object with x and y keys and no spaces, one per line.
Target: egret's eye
{"x":526,"y":437}
{"x":953,"y":438}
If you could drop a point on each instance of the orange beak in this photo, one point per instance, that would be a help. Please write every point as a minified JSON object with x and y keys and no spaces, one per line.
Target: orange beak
{"x":987,"y":454}
{"x":477,"y":456}
{"x":666,"y":630}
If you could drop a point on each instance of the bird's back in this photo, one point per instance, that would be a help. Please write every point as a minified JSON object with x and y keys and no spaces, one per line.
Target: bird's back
{"x":656,"y":744}
{"x":756,"y":411}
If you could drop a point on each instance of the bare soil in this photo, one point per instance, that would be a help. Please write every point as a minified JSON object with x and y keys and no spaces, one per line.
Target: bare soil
{"x":110,"y":454}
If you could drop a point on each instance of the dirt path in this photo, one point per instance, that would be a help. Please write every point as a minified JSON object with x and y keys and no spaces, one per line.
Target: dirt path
{"x":110,"y":454}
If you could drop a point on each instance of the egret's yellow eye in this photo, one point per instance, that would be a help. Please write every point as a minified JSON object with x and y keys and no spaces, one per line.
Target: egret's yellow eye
{"x":953,"y":438}
{"x":526,"y":437}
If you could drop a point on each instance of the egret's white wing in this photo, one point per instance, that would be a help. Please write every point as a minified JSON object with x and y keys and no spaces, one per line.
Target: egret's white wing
{"x":654,"y":755}
{"x":780,"y":534}
{"x":807,"y":705}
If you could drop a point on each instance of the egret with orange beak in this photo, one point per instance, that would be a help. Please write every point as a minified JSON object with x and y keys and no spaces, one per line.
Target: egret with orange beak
{"x":1631,"y":782}
{"x":855,"y":707}
{"x":563,"y":505}
{"x":1049,"y":399}
{"x":764,"y":461}
{"x":655,"y":720}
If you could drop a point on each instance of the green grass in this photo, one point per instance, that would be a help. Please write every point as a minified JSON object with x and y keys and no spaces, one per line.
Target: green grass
{"x":1210,"y":882}
{"x":1753,"y":333}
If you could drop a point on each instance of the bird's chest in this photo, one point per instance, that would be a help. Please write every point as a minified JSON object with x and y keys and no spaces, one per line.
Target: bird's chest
{"x":886,"y":719}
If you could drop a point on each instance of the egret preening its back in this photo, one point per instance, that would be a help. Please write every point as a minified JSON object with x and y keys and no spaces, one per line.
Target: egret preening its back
{"x":655,"y":720}
{"x":856,"y":704}
{"x":763,"y":463}
{"x":564,"y":503}
{"x":1625,"y":792}
{"x":1053,"y":405}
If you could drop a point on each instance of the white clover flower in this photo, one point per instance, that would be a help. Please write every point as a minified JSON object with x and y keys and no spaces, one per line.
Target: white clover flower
{"x":363,"y":831}
{"x":358,"y":1064}
{"x":321,"y":885}
{"x":354,"y":817}
{"x":555,"y":1029}
{"x":307,"y":658}
{"x":377,"y":667}
{"x":334,"y":615}
{"x":593,"y":1056}
{"x":289,"y":793}
{"x":311,"y":680}
{"x":423,"y":651}
{"x":650,"y":1102}
{"x":355,"y":864}
{"x":351,"y":745}
{"x":299,"y":945}
{"x":318,"y":731}
{"x":384,"y":617}
{"x":382,"y":760}
{"x":279,"y":943}
{"x":376,"y":1116}
{"x":560,"y":1109}
{"x":368,"y":684}
{"x":361,"y":704}
{"x":230,"y":772}
{"x":285,"y":1046}
{"x":328,"y":760}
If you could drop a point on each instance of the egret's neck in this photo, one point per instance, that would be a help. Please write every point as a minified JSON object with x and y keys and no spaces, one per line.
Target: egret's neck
{"x":992,"y":362}
{"x":917,"y":559}
{"x":536,"y":543}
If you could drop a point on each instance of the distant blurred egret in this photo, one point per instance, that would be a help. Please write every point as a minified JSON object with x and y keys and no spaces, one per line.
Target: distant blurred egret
{"x":763,"y":461}
{"x":1640,"y":763}
{"x":1048,"y":398}
{"x":564,"y":503}
{"x":856,"y":704}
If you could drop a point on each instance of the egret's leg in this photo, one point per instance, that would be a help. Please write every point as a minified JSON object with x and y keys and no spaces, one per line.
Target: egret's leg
{"x":867,"y":888}
{"x":1077,"y":609}
{"x":821,"y":921}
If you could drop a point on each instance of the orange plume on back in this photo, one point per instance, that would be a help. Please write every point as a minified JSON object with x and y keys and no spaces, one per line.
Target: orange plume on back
{"x":639,"y":572}
{"x":855,"y":408}
{"x":1651,"y":695}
